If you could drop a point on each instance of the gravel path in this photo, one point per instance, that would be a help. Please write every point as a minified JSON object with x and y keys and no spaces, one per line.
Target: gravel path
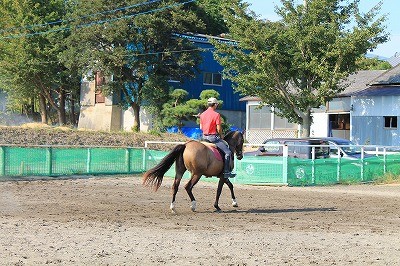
{"x":116,"y":221}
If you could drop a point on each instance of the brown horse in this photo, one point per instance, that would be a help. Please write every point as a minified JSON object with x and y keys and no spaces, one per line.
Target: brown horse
{"x":200,"y":160}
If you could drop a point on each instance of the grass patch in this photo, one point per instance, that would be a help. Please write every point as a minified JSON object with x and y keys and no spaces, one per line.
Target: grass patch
{"x":388,"y":178}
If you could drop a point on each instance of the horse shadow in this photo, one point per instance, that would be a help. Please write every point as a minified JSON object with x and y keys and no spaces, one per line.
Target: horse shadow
{"x":293,"y":210}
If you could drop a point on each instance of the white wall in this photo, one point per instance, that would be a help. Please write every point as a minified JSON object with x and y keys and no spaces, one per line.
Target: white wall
{"x":128,"y":119}
{"x":319,"y":127}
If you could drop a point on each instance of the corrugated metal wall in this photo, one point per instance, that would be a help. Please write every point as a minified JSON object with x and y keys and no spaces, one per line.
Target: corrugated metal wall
{"x":369,"y":130}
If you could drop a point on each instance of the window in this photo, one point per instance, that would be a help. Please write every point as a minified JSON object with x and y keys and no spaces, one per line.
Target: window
{"x":283,"y":123}
{"x":259,"y":118}
{"x":339,"y":121}
{"x":100,"y":79}
{"x":212,"y":79}
{"x":99,"y":97}
{"x":390,"y":121}
{"x":272,"y":148}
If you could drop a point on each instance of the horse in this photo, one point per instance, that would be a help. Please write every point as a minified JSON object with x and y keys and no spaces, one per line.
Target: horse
{"x":199,"y":158}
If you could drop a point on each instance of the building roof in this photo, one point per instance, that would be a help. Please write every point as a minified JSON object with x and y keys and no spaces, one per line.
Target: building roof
{"x":387,"y":84}
{"x":379,"y":91}
{"x":358,"y":81}
{"x":394,"y":60}
{"x":250,"y":98}
{"x":390,"y":77}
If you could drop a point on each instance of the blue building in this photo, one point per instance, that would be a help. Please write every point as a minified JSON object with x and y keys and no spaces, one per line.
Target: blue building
{"x":209,"y":78}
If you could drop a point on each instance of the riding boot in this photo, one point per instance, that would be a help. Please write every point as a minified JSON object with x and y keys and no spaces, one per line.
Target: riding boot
{"x":227,"y":167}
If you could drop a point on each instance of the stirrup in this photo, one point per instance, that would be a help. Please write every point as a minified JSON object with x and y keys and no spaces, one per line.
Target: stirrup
{"x":229,"y":175}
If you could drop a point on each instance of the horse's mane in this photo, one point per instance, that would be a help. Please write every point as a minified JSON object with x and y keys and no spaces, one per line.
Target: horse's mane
{"x":229,"y":135}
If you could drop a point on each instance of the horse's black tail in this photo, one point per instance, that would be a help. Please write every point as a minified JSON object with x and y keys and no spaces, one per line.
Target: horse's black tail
{"x":153,"y":177}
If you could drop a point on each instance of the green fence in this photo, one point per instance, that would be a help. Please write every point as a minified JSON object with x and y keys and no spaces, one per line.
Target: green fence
{"x":66,"y":161}
{"x":305,"y":172}
{"x":58,"y":161}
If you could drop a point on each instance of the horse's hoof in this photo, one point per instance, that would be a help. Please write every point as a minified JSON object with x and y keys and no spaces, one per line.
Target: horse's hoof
{"x":193,"y":206}
{"x":234,"y":203}
{"x":217,"y":208}
{"x":172,"y":208}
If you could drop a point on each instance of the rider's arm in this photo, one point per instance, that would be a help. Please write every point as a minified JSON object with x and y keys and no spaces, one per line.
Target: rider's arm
{"x":219,"y":130}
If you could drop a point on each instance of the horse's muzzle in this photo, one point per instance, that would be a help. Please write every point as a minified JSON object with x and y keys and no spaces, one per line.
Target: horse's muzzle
{"x":239,"y":156}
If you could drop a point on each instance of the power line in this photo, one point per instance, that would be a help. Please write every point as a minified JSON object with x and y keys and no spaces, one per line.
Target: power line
{"x":82,"y":17}
{"x":145,"y":54}
{"x":95,"y":22}
{"x":175,"y":51}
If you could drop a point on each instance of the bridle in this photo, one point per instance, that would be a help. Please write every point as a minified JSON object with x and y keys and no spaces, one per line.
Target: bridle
{"x":238,"y":136}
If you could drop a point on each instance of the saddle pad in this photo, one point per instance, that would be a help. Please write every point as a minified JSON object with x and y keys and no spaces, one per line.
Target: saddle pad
{"x":216,"y":152}
{"x":214,"y":149}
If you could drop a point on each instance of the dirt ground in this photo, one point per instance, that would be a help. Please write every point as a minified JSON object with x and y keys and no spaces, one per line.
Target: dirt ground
{"x":116,"y":221}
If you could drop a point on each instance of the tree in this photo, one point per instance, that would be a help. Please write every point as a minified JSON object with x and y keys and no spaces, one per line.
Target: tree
{"x":210,"y":12}
{"x":180,"y":109}
{"x":365,"y":63}
{"x":176,"y":111}
{"x":29,"y":48}
{"x":137,"y":43}
{"x":296,"y":64}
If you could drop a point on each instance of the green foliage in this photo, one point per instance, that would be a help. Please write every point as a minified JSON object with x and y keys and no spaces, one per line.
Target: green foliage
{"x":364,"y":63}
{"x":178,"y":110}
{"x":296,"y":64}
{"x":29,"y":64}
{"x":210,"y":13}
{"x":206,"y":94}
{"x":137,"y":47}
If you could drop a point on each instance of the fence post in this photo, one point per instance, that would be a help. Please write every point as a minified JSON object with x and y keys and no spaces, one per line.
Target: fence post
{"x":128,"y":160}
{"x":313,"y":165}
{"x":49,"y":161}
{"x":338,"y":168}
{"x":285,"y":164}
{"x":362,"y":163}
{"x":88,"y":160}
{"x":384,"y":160}
{"x":144,"y":163}
{"x":2,"y":161}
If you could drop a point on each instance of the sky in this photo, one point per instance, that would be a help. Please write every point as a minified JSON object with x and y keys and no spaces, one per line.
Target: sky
{"x":390,"y":8}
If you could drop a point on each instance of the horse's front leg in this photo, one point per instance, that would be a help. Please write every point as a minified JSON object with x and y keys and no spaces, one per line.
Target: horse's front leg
{"x":230,"y":185}
{"x":219,"y":190}
{"x":189,"y":187}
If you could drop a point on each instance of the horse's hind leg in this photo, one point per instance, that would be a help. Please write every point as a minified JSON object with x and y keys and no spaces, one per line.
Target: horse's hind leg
{"x":175,"y":188}
{"x":189,"y":187}
{"x":179,"y":171}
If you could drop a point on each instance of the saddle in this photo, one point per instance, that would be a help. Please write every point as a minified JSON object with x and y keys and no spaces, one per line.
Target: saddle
{"x":218,"y":153}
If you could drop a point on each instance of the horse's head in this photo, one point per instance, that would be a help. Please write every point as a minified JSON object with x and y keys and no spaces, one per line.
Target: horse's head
{"x":235,"y":140}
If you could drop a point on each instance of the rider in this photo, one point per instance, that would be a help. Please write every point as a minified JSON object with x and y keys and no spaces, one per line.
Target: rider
{"x":210,"y":124}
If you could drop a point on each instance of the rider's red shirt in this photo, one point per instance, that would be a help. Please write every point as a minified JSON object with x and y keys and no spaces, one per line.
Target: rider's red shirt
{"x":209,"y":120}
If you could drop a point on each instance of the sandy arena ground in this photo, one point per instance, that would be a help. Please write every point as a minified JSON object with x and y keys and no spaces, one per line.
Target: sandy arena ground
{"x":116,"y":221}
